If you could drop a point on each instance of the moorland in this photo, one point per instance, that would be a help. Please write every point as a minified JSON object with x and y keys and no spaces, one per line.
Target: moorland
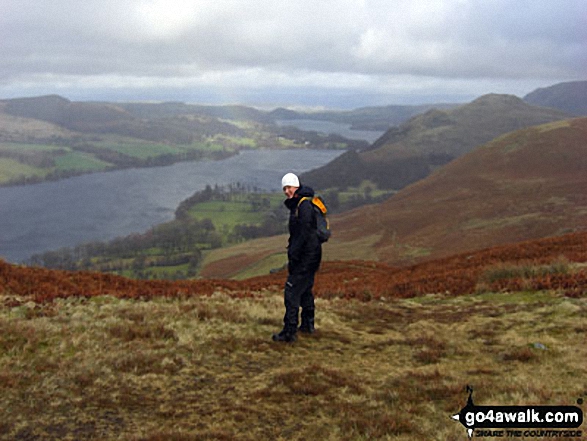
{"x":86,"y":355}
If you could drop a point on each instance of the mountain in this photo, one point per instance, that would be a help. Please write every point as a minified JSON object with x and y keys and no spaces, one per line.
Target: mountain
{"x":83,"y":115}
{"x":524,"y":185}
{"x":70,"y":115}
{"x":51,"y":137}
{"x":171,"y":109}
{"x":349,"y":169}
{"x":569,"y":97}
{"x":458,"y":131}
{"x":169,"y":122}
{"x":16,"y":128}
{"x":161,"y":124}
{"x":438,"y":136}
{"x":362,"y":118}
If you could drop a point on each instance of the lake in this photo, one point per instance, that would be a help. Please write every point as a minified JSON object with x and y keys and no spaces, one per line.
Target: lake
{"x":329,"y":127}
{"x":102,"y":206}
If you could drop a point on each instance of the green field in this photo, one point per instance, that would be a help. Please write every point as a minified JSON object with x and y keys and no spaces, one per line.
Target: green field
{"x":28,"y":148}
{"x":240,"y":141}
{"x":23,"y":162}
{"x":367,"y":188}
{"x":225,"y":215}
{"x":80,"y":161}
{"x":141,"y":150}
{"x":11,"y":170}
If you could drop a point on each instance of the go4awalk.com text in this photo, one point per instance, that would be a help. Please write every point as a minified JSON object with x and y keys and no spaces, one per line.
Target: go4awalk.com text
{"x":535,"y":433}
{"x":521,"y":421}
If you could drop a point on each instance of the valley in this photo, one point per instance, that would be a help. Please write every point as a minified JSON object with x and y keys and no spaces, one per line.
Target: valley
{"x":466,"y":270}
{"x":210,"y":220}
{"x":524,"y":185}
{"x":519,"y":185}
{"x":51,"y":138}
{"x":104,"y":206}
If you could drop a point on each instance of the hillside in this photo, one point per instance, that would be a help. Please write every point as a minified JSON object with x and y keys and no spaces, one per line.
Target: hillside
{"x":171,"y":109}
{"x":525,"y":185}
{"x":103,"y":357}
{"x":109,"y":118}
{"x":437,"y":136}
{"x":457,"y":131}
{"x":550,"y":263}
{"x":35,"y":130}
{"x":568,"y":97}
{"x":51,"y":137}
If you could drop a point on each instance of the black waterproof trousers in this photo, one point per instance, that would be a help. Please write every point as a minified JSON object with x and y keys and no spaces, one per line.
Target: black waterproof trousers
{"x":298,"y":293}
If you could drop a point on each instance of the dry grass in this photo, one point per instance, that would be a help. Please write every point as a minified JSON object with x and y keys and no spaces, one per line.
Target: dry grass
{"x":205,"y":368}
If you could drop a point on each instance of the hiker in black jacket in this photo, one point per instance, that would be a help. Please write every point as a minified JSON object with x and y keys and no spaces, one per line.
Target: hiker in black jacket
{"x":304,"y":253}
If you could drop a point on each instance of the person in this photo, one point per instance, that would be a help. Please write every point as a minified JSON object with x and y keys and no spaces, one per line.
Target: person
{"x":304,"y":254}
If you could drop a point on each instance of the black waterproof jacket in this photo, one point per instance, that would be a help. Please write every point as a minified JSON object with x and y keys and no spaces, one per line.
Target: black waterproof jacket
{"x":304,"y":251}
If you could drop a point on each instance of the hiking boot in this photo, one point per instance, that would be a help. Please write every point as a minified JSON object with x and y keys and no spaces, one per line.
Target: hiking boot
{"x":307,"y":328}
{"x":284,"y":336}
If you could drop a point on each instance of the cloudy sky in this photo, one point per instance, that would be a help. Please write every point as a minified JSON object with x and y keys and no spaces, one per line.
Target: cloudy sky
{"x":331,"y":53}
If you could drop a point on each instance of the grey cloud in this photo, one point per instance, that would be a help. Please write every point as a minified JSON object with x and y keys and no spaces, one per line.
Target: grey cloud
{"x":453,"y":40}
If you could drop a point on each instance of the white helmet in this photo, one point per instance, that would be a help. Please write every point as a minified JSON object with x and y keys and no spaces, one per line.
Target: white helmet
{"x":290,"y":180}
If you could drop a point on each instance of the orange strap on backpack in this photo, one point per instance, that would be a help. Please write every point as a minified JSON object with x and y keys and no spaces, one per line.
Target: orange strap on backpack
{"x":316,"y":201}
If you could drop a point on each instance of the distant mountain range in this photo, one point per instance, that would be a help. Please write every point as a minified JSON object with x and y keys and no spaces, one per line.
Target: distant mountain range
{"x":363,"y":118}
{"x":151,"y":122}
{"x":409,"y":152}
{"x":159,"y":121}
{"x":51,"y":137}
{"x":569,"y":97}
{"x":174,"y":121}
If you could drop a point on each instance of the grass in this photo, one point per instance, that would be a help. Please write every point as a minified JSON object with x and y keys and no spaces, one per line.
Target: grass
{"x":238,"y":210}
{"x":265,"y":246}
{"x":226,"y":214}
{"x":554,"y":125}
{"x":205,"y":368}
{"x":262,"y":267}
{"x":140,"y":149}
{"x":11,"y":169}
{"x":236,"y":141}
{"x":27,"y":148}
{"x":501,"y":222}
{"x":80,"y":161}
{"x":526,"y":271}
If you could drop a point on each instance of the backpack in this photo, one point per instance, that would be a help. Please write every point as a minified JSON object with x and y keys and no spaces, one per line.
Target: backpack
{"x":322,"y":225}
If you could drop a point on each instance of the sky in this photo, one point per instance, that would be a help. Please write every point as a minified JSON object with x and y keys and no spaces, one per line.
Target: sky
{"x":294,"y":53}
